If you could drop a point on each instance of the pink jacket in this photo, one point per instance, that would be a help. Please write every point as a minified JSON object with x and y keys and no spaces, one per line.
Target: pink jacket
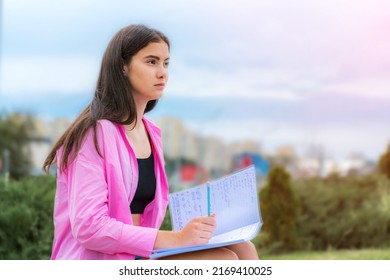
{"x":92,"y":217}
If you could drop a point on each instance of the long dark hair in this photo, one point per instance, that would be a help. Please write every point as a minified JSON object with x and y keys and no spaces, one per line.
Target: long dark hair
{"x":113,"y":99}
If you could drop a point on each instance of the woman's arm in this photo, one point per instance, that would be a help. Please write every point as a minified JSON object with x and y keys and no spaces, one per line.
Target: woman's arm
{"x":89,"y":216}
{"x":198,"y":231}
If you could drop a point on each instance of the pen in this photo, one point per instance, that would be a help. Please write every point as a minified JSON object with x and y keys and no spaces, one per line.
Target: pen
{"x":208,"y":199}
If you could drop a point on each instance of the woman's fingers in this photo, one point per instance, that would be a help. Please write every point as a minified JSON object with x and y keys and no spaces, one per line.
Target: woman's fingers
{"x":198,"y":231}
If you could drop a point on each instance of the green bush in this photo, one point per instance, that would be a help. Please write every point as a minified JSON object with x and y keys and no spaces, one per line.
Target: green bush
{"x":334,"y":213}
{"x":279,"y":209}
{"x":344,"y":213}
{"x":26,"y":218}
{"x":166,"y":224}
{"x":384,"y":163}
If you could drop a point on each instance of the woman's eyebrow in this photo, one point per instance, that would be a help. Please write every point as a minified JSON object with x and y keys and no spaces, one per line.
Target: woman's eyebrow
{"x":155,"y":57}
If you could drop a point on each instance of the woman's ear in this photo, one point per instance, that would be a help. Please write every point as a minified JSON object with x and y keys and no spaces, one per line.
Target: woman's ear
{"x":125,"y":69}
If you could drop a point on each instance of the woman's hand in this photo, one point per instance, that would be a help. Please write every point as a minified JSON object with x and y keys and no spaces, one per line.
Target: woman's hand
{"x":198,"y":231}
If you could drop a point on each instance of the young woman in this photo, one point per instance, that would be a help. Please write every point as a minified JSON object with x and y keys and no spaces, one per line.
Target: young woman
{"x":112,"y":189}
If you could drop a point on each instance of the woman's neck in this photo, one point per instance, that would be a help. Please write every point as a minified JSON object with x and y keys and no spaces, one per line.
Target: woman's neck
{"x":137,"y":125}
{"x":139,"y":139}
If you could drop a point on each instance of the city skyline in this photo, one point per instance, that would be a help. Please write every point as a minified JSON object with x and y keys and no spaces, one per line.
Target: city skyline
{"x":279,"y":73}
{"x":213,"y":155}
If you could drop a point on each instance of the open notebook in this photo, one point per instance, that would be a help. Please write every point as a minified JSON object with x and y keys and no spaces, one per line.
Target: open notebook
{"x":234,"y":200}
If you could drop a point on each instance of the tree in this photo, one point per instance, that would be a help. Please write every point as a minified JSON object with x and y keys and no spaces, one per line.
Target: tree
{"x":15,"y":132}
{"x":384,"y":163}
{"x":280,"y":209}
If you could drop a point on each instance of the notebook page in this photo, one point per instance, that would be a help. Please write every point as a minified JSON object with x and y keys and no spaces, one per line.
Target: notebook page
{"x":234,"y":200}
{"x":186,"y":205}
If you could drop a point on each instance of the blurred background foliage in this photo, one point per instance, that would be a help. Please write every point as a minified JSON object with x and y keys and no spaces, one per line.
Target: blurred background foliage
{"x":280,"y":210}
{"x":334,"y":213}
{"x":26,"y":224}
{"x":326,"y":213}
{"x":302,"y":214}
{"x":16,"y":131}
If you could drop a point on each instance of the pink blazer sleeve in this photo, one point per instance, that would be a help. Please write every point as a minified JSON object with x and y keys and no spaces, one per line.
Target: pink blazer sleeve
{"x":88,"y":212}
{"x":88,"y":193}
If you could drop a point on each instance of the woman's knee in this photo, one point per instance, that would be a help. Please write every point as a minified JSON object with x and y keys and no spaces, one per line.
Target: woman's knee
{"x":245,"y":250}
{"x":246,"y":245}
{"x":227,"y":254}
{"x":250,"y":245}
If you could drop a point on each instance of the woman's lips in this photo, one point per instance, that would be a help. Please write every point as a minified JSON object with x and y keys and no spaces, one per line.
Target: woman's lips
{"x":160,"y":85}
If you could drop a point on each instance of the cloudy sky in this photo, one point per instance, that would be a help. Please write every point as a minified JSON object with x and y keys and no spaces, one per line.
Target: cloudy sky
{"x":279,"y":72}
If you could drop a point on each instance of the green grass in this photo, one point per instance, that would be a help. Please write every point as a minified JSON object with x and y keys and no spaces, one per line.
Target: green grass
{"x":364,"y":254}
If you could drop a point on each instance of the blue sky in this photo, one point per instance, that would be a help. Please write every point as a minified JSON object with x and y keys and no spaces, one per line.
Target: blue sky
{"x":278,"y":72}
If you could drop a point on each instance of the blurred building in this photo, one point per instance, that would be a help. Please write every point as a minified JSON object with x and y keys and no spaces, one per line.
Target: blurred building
{"x":45,"y":136}
{"x":244,"y":146}
{"x":181,"y":143}
{"x":315,"y":163}
{"x":215,"y":156}
{"x":356,"y":164}
{"x":177,"y":141}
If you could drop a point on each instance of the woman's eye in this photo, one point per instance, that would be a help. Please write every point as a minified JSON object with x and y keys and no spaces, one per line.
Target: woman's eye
{"x":152,"y":61}
{"x":166,"y":64}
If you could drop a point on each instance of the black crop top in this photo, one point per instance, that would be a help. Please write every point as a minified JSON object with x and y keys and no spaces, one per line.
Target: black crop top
{"x":146,"y":187}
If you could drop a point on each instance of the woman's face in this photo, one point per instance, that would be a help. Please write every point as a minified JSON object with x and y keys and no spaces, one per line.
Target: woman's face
{"x":148,"y":72}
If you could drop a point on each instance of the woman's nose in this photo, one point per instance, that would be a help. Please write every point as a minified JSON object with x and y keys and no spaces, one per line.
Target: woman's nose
{"x":162,"y":72}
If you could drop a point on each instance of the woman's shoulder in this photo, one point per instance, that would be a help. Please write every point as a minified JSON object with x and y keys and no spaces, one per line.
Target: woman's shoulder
{"x":104,"y":130}
{"x":104,"y":123}
{"x":107,"y":127}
